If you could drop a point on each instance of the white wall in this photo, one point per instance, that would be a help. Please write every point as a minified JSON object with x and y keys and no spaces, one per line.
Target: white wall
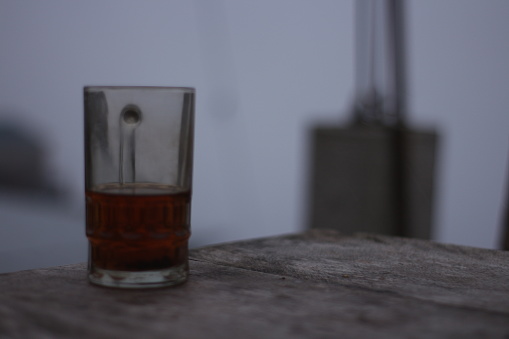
{"x":264,"y":71}
{"x":460,"y":81}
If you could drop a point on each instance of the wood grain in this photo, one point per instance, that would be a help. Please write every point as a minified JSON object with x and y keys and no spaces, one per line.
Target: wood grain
{"x":318,"y":284}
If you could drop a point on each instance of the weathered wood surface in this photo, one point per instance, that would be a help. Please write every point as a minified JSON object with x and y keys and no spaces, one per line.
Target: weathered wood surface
{"x":317,"y":284}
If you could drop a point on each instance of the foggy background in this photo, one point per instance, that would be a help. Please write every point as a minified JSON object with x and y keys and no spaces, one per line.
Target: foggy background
{"x":265,"y":72}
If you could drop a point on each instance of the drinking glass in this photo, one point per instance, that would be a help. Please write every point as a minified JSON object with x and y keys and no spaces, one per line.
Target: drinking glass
{"x":138,"y":183}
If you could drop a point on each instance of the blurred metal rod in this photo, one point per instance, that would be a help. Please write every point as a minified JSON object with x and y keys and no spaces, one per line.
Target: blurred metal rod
{"x":380,"y":71}
{"x":397,"y":57}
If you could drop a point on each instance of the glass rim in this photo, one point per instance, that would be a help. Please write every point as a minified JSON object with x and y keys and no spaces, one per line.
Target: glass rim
{"x":169,"y":88}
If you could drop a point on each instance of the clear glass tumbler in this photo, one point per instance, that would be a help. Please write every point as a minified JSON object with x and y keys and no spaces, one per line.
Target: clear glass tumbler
{"x":138,"y":178}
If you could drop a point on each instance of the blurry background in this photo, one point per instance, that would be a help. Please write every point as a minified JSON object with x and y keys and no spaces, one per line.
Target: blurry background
{"x":265,"y":72}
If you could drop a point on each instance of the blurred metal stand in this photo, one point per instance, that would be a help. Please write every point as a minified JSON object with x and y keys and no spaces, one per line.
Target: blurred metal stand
{"x":505,"y":231}
{"x":504,"y":236}
{"x":375,"y":174}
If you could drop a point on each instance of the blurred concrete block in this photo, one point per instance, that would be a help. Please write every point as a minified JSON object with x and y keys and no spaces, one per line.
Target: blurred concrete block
{"x":353,"y":184}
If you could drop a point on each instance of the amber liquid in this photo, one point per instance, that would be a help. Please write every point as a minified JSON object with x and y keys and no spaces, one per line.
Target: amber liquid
{"x":138,"y":227}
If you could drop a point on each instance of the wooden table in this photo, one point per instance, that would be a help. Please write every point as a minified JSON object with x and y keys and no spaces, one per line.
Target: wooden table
{"x":317,"y":284}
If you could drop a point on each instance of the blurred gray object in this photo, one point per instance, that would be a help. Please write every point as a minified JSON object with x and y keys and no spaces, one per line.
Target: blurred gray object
{"x":375,"y":174}
{"x":22,"y":164}
{"x":23,"y":167}
{"x":355,"y":181}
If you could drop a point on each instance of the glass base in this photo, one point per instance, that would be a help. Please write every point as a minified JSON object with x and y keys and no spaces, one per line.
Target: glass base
{"x":147,"y":279}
